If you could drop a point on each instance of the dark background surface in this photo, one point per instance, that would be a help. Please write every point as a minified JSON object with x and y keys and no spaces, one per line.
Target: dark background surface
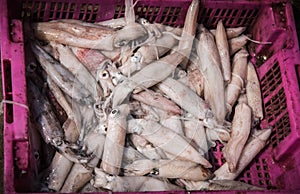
{"x":296,"y":9}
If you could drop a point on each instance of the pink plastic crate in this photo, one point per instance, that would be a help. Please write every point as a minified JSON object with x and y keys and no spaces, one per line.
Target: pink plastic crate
{"x":277,"y":167}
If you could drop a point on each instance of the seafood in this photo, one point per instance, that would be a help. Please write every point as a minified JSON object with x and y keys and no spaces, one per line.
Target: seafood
{"x":147,"y":77}
{"x":58,"y":94}
{"x":158,"y":101}
{"x":213,"y":185}
{"x":130,"y":155}
{"x":48,"y":31}
{"x":130,"y":184}
{"x":189,"y":30}
{"x":94,"y":144}
{"x":254,"y":145}
{"x":238,"y":76}
{"x":185,"y":98}
{"x":222,"y":44}
{"x":59,"y":170}
{"x":77,"y":178}
{"x":44,"y":116}
{"x":115,"y":139}
{"x":88,"y":187}
{"x":231,"y":32}
{"x":132,"y":31}
{"x":105,"y":80}
{"x":253,"y":93}
{"x":90,"y":58}
{"x":237,"y":43}
{"x":71,"y":131}
{"x":114,"y":23}
{"x":196,"y":81}
{"x":168,"y":169}
{"x":129,"y":105}
{"x":212,"y":135}
{"x":174,"y":123}
{"x":146,"y":148}
{"x":172,"y":142}
{"x":62,"y":77}
{"x":241,"y":126}
{"x":150,"y":52}
{"x":210,"y":65}
{"x":70,"y":61}
{"x":194,"y":129}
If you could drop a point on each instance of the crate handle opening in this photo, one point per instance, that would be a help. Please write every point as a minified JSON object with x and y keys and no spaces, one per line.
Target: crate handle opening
{"x":297,"y":68}
{"x":7,"y":79}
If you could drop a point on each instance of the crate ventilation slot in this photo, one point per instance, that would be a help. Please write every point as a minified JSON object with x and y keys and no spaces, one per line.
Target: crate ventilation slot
{"x":230,"y":17}
{"x":33,"y":9}
{"x":216,"y":156}
{"x":281,"y":129}
{"x":275,"y":107}
{"x":9,"y":118}
{"x":271,"y":81}
{"x":169,"y":15}
{"x":88,"y":12}
{"x":119,"y":11}
{"x":148,"y":12}
{"x":44,"y":11}
{"x":258,"y":171}
{"x":61,"y":10}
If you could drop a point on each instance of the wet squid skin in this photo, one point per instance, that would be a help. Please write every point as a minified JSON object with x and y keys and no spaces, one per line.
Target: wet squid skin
{"x":241,"y":127}
{"x":115,"y":140}
{"x":130,"y":184}
{"x":44,"y":117}
{"x":210,"y":66}
{"x":139,"y":113}
{"x":168,"y":169}
{"x":147,"y":77}
{"x":153,"y":132}
{"x":62,"y":77}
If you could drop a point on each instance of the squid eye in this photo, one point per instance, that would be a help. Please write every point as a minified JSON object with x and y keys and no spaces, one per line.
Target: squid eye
{"x":121,"y":43}
{"x":104,"y":74}
{"x":114,"y":112}
{"x":98,"y":106}
{"x":32,"y":67}
{"x":155,"y":171}
{"x":104,"y":127}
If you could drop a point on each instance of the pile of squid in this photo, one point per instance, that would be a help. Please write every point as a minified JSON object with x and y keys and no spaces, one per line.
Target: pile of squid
{"x":130,"y":105}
